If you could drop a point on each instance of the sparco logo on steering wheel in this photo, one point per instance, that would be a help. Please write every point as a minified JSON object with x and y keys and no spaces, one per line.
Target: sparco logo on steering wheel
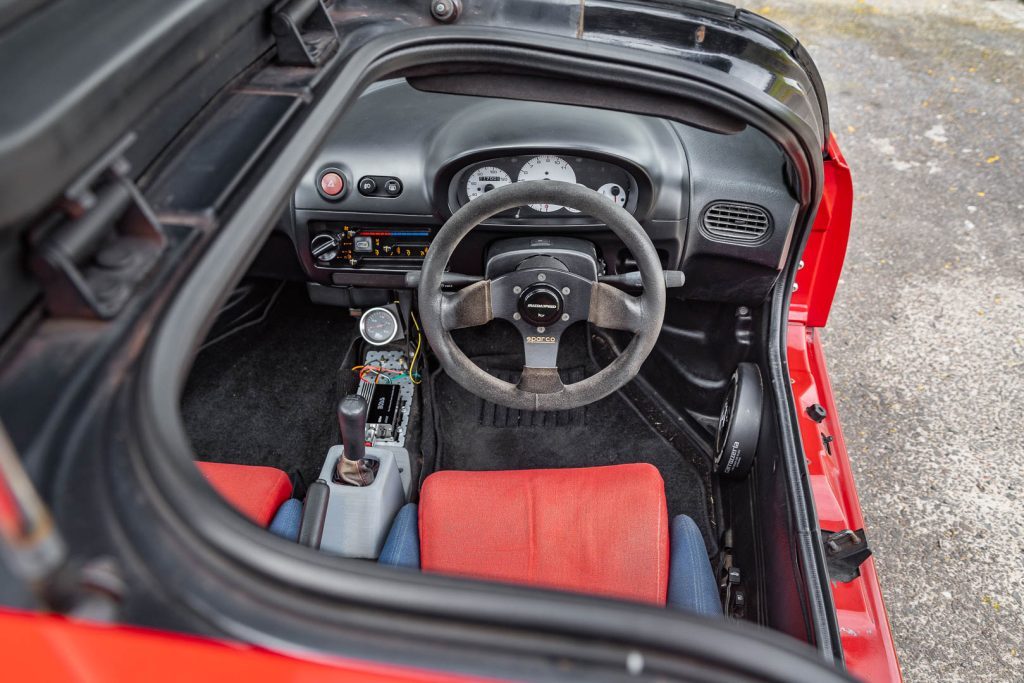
{"x":541,"y":340}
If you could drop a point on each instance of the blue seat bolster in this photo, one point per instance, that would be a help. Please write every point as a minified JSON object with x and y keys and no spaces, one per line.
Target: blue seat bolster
{"x":287,"y":520}
{"x":402,"y":547}
{"x":691,"y":581}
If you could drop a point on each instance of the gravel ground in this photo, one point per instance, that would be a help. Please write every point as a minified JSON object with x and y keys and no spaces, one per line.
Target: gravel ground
{"x":926,"y":338}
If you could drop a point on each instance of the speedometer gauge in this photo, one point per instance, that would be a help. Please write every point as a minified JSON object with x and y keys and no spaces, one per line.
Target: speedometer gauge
{"x":547,"y":167}
{"x":485,"y":179}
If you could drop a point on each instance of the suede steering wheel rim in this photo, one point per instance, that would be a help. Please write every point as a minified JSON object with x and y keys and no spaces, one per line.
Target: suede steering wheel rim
{"x":565,"y":298}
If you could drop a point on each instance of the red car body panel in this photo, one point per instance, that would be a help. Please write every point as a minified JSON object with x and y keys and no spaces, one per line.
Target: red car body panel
{"x":822,"y":261}
{"x":52,"y":648}
{"x":863,"y":622}
{"x":48,"y":647}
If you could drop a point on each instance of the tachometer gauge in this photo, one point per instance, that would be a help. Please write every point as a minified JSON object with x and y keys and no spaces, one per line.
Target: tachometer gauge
{"x":614,"y":192}
{"x":485,"y":179}
{"x":547,"y":167}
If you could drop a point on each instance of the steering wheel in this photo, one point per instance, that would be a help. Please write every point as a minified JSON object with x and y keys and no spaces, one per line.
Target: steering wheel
{"x":541,"y":300}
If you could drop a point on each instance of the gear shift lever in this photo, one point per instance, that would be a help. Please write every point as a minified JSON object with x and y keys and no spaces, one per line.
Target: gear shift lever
{"x":353,"y":468}
{"x":352,"y":421}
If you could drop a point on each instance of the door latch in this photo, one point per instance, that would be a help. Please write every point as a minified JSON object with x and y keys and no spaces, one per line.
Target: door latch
{"x":845,"y":552}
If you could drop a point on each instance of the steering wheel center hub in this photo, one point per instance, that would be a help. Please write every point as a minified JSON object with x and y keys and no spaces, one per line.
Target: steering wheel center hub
{"x":541,"y":305}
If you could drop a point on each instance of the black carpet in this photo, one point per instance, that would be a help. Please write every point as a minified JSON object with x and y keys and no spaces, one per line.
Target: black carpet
{"x":473,"y":434}
{"x":265,"y":396}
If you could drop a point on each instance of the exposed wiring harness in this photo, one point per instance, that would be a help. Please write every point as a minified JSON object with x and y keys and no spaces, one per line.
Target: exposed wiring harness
{"x":414,"y":375}
{"x":236,"y":325}
{"x":376,"y":374}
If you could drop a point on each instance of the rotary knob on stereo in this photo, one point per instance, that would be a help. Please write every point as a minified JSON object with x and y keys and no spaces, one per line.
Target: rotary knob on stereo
{"x":324,"y":247}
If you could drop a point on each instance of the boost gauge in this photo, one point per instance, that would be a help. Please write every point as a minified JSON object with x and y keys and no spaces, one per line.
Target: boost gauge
{"x":485,"y":179}
{"x":547,"y":167}
{"x":379,"y":326}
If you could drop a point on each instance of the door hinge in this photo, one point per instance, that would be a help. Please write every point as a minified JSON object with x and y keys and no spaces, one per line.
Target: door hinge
{"x":845,"y":552}
{"x":99,"y":244}
{"x":304,"y":32}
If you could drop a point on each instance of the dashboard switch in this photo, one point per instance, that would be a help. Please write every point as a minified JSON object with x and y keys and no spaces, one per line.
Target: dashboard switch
{"x":383,"y":186}
{"x":367,"y":185}
{"x":362,"y":245}
{"x":330,"y":183}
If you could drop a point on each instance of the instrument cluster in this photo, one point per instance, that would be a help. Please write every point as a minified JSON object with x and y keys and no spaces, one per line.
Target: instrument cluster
{"x":609,"y":179}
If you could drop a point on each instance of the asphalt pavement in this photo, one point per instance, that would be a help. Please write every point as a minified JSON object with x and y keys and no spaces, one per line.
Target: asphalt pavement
{"x":926,"y":339}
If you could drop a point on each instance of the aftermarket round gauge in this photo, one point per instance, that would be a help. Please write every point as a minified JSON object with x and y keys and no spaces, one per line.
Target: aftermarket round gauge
{"x":614,"y":192}
{"x":485,"y":179}
{"x":547,"y":167}
{"x":378,"y":326}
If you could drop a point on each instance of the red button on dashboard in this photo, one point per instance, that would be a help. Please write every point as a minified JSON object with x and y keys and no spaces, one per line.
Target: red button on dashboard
{"x":332,"y":184}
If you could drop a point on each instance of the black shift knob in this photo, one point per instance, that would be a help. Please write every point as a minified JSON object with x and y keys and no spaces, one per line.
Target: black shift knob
{"x":352,"y":422}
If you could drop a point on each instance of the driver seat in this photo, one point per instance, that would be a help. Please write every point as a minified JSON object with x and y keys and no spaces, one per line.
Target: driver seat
{"x":597,"y":530}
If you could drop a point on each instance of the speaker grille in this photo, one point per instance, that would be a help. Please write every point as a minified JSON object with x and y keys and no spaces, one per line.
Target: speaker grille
{"x":732,"y":222}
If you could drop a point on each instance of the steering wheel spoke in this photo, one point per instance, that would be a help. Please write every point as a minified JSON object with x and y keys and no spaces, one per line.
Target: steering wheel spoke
{"x":540,"y":381}
{"x":468,"y":307}
{"x":540,"y":350}
{"x":613,"y":309}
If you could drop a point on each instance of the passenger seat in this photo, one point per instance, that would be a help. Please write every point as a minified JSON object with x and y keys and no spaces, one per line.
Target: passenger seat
{"x":263,"y":494}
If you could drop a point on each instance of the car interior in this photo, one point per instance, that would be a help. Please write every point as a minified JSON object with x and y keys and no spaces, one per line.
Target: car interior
{"x":517,"y":341}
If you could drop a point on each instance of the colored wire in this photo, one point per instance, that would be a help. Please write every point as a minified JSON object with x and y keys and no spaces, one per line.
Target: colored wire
{"x":379,"y":373}
{"x":377,"y":368}
{"x":414,"y":376}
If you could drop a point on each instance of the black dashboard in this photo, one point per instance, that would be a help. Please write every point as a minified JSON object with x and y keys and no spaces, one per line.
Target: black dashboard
{"x":402,"y":160}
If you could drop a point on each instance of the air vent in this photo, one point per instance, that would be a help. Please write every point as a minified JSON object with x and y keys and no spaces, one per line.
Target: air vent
{"x":732,"y":222}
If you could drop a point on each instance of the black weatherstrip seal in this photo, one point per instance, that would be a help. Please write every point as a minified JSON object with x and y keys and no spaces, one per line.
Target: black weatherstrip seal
{"x":815,"y":573}
{"x":232,"y":551}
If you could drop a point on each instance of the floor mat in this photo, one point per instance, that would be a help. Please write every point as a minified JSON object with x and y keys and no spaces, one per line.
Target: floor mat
{"x":473,"y":434}
{"x":265,"y":395}
{"x":493,"y":415}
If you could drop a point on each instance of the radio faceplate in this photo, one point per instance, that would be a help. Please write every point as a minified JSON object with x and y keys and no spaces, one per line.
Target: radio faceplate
{"x":355,"y":246}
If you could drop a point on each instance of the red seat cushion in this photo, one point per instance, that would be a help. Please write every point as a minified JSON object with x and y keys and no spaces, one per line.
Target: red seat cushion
{"x":601,"y":530}
{"x":257,"y":492}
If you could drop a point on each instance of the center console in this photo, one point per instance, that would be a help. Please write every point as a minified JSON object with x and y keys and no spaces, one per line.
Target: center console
{"x":367,"y":478}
